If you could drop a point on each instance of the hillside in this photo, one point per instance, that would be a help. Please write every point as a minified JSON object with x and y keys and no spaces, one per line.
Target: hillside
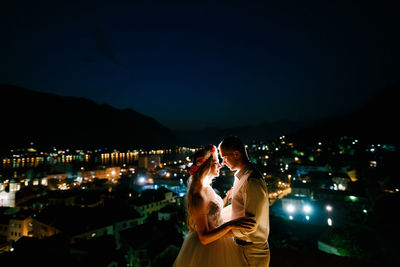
{"x":263,"y":132}
{"x":51,"y":120}
{"x":375,"y":122}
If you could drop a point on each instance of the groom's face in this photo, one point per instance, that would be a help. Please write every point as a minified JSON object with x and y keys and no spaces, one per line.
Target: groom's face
{"x":228,"y":158}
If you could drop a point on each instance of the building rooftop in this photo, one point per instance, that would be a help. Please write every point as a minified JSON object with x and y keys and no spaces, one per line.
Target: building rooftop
{"x":151,"y":196}
{"x":75,"y":220}
{"x":7,"y":213}
{"x":168,"y":209}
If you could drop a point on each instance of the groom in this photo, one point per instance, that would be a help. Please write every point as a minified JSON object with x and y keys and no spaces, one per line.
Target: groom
{"x":249,"y":198}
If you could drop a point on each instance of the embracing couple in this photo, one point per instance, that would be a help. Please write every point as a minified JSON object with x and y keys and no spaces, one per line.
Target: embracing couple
{"x":235,"y":235}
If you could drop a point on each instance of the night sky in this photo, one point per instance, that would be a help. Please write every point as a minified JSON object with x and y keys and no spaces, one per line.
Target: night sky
{"x":195,"y":64}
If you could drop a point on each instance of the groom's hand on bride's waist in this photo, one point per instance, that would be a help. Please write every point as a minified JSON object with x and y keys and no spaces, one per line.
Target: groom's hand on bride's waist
{"x":243,"y":223}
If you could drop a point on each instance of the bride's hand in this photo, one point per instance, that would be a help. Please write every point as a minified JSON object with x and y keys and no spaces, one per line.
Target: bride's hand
{"x":229,"y":194}
{"x":242,"y":223}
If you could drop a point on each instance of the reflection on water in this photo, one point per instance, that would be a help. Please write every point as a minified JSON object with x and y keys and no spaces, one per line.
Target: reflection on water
{"x":108,"y":159}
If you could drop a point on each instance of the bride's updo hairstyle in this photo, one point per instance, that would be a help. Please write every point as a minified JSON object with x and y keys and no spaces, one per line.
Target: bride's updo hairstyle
{"x":198,"y":171}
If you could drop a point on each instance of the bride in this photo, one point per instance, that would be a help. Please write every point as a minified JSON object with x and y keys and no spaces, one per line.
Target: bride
{"x":209,"y":242}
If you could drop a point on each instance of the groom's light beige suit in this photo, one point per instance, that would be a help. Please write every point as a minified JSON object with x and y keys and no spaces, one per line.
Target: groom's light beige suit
{"x":250,"y":198}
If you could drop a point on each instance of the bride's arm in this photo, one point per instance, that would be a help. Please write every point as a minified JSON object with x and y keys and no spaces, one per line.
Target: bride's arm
{"x":207,"y":235}
{"x":229,"y":234}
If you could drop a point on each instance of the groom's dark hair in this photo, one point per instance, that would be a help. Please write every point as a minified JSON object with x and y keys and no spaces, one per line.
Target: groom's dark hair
{"x":232,"y":143}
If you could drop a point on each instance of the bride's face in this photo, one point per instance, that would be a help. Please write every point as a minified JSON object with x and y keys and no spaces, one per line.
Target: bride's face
{"x":215,"y":166}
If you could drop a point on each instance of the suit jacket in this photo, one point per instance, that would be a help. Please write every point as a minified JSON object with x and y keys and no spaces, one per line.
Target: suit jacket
{"x":250,"y":198}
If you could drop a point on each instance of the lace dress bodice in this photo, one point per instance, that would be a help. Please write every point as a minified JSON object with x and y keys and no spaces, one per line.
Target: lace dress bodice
{"x":215,"y":207}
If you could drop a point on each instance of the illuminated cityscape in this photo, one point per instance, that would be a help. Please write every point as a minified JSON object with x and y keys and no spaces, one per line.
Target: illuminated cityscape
{"x":90,"y":197}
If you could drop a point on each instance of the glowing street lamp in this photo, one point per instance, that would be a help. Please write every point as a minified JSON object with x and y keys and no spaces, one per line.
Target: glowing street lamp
{"x":290,"y":208}
{"x":307,"y":208}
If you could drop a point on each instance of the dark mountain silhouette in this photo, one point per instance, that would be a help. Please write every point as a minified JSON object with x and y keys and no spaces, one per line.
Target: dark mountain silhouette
{"x":51,"y":120}
{"x":375,"y":122}
{"x":262,"y":132}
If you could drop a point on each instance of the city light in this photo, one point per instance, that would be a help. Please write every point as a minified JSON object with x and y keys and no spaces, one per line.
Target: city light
{"x":290,"y":208}
{"x":329,"y":221}
{"x":328,"y":208}
{"x":307,"y":208}
{"x":142,"y":180}
{"x":353,"y":198}
{"x":63,"y":186}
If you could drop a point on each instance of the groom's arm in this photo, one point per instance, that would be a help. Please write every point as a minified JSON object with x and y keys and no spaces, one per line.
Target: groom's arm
{"x":254,"y":195}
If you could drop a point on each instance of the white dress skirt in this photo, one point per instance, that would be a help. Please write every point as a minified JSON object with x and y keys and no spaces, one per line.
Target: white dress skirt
{"x":222,"y":252}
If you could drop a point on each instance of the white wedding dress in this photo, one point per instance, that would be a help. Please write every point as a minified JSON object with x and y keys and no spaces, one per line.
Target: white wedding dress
{"x":222,"y":252}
